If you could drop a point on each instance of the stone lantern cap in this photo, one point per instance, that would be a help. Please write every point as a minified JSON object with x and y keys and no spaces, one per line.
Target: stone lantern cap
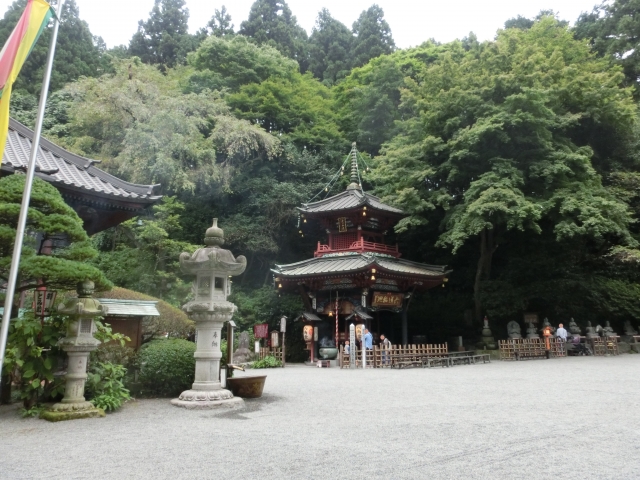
{"x":83,"y":304}
{"x":212,"y":257}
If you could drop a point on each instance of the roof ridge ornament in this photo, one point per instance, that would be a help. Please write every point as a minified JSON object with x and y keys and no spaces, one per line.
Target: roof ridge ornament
{"x":355,"y":184}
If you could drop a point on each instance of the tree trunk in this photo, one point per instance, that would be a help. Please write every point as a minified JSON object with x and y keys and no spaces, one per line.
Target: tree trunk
{"x":5,"y":389}
{"x":483,"y":271}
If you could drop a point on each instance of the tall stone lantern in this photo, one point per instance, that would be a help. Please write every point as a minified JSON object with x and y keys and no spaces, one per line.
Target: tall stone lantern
{"x":213,"y":268}
{"x":78,"y":343}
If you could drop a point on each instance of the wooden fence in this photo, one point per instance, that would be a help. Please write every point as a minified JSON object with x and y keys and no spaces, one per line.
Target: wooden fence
{"x":380,"y":357}
{"x":530,"y":347}
{"x":604,"y":346}
{"x":271,"y":352}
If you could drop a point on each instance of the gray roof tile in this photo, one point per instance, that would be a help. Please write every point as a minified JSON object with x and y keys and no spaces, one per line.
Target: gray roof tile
{"x":58,"y":166}
{"x":347,"y":200}
{"x":357,"y":262}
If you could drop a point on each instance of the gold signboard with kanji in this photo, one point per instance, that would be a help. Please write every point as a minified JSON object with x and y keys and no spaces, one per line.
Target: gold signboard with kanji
{"x":383,"y":299}
{"x":342,"y":224}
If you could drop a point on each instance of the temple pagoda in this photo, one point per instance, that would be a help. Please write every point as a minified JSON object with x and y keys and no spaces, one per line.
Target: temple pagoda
{"x":355,"y":276}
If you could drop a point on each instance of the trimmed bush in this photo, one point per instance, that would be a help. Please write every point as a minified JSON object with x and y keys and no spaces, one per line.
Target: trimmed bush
{"x":166,"y":367}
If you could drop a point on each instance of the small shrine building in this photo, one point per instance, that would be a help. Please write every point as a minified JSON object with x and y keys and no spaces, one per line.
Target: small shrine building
{"x":355,"y":276}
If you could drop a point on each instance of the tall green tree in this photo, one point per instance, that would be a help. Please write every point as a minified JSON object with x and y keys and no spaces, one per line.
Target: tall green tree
{"x":144,"y":128}
{"x":78,"y":52}
{"x":614,"y":30}
{"x":505,"y":138}
{"x":220,"y":24}
{"x":164,"y":39}
{"x":372,"y":36}
{"x":271,"y":23}
{"x":368,"y":99}
{"x":230,"y":63}
{"x":329,"y":49}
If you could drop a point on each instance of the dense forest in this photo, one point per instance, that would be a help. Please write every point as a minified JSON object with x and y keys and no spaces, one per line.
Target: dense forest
{"x":516,"y":158}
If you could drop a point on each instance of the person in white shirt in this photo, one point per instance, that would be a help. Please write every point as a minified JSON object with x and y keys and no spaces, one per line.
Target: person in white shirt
{"x":561,"y":333}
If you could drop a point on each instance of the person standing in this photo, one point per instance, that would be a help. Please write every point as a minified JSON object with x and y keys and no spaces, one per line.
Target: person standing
{"x":561,"y":333}
{"x":385,"y":344}
{"x":368,"y":339}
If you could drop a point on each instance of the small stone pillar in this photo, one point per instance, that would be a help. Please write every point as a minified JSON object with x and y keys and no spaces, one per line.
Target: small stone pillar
{"x":78,"y":343}
{"x":213,"y":268}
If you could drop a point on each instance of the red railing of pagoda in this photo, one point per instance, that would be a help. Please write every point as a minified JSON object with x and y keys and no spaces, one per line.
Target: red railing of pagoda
{"x":359,"y":246}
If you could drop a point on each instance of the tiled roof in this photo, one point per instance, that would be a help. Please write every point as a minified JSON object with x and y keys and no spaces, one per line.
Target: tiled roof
{"x":130,"y":308}
{"x":66,"y":170}
{"x":355,"y":263}
{"x":348,"y":200}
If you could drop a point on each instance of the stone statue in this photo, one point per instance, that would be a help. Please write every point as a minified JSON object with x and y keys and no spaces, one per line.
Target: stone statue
{"x":629,"y":330}
{"x":487,"y":340}
{"x":486,"y":331}
{"x":513,"y":329}
{"x":607,"y":331}
{"x":242,"y":354}
{"x":591,"y":332}
{"x":531,"y":331}
{"x":545,"y":324}
{"x":574,"y":328}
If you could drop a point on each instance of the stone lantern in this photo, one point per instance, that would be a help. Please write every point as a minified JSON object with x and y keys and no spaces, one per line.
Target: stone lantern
{"x":213,"y":268}
{"x":78,"y":343}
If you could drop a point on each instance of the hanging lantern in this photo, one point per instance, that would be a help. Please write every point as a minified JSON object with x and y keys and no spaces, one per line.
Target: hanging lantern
{"x":43,"y":301}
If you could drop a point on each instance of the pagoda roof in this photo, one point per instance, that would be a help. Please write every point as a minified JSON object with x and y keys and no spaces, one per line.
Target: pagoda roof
{"x":350,"y":199}
{"x":70,"y":172}
{"x":352,"y":263}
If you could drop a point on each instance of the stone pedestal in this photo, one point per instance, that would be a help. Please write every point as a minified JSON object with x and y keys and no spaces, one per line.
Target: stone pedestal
{"x":207,"y":391}
{"x":78,"y":343}
{"x":213,"y":267}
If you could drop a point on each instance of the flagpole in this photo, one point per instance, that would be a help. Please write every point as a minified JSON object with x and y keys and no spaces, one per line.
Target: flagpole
{"x":26,"y":195}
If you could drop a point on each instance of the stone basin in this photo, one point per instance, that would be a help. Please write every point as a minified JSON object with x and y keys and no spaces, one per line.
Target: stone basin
{"x":247,"y":387}
{"x":328,"y":353}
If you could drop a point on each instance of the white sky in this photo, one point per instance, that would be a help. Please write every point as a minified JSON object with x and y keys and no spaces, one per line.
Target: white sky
{"x":411,"y":21}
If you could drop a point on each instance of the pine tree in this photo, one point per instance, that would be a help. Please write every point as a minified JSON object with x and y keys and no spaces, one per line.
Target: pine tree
{"x":164,"y":38}
{"x":271,"y":22}
{"x":329,"y":48}
{"x":78,"y":52}
{"x":220,"y":24}
{"x":373,"y":36}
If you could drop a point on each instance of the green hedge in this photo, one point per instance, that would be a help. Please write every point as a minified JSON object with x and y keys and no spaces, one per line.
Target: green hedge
{"x":166,"y":367}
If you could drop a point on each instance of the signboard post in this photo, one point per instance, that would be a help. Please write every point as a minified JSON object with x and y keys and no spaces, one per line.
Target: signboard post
{"x":260,"y":330}
{"x":283,"y":330}
{"x":352,"y":346}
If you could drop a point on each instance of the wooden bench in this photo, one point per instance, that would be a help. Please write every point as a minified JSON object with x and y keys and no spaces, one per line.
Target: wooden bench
{"x":436,"y":361}
{"x":532,"y":354}
{"x":485,"y":357}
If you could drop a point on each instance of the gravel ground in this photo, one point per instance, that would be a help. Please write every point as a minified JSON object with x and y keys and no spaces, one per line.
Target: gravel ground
{"x":574,"y":418}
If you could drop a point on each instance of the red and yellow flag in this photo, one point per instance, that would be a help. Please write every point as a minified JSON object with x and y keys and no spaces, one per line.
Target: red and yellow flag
{"x":15,"y":52}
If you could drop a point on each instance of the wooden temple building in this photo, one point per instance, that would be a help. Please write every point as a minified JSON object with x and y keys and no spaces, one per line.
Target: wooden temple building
{"x":355,"y":276}
{"x":100,"y":199}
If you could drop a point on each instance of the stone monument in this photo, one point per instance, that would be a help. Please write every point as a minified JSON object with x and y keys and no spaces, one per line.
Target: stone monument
{"x":514,"y":331}
{"x":629,"y":330}
{"x":213,"y":268}
{"x":242,"y":354}
{"x":591,"y":332}
{"x":78,"y":343}
{"x":574,"y":329}
{"x":547,"y":324}
{"x":487,"y":341}
{"x":532,"y":332}
{"x":608,"y":331}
